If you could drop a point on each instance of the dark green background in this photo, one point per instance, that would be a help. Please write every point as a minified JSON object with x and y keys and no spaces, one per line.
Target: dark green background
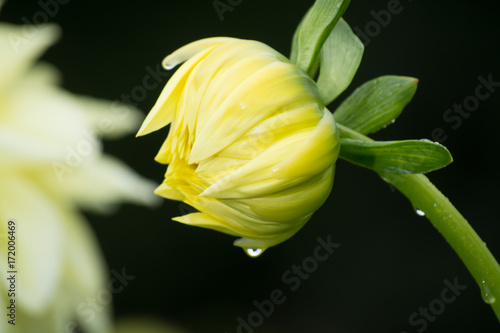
{"x":390,"y":261}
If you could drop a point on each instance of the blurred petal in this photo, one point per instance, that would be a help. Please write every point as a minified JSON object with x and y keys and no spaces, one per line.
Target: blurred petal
{"x":85,"y":269}
{"x":111,"y":120}
{"x":51,"y":162}
{"x":101,"y":184}
{"x":39,"y":239}
{"x":20,"y":46}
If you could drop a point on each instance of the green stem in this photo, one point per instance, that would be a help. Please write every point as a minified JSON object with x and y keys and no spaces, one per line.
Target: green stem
{"x":450,"y":223}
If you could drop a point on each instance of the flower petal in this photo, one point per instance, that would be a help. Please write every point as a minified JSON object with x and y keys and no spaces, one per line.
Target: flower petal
{"x":103,"y":183}
{"x":190,"y":50}
{"x":248,"y":105}
{"x":20,"y":46}
{"x":295,"y":202}
{"x":285,"y":164}
{"x":319,"y":152}
{"x":39,"y":239}
{"x":163,"y":112}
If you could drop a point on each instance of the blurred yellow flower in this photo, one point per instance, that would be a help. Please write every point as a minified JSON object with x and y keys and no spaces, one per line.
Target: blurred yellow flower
{"x":51,"y":163}
{"x":251,"y":146}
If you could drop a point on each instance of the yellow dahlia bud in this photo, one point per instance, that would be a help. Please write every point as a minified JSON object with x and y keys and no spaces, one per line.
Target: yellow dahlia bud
{"x":251,"y":146}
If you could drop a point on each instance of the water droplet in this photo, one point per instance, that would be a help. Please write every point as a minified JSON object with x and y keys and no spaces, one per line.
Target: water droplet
{"x":419,"y":212}
{"x":393,"y":121}
{"x":254,"y":253}
{"x":488,"y":297}
{"x":168,"y":66}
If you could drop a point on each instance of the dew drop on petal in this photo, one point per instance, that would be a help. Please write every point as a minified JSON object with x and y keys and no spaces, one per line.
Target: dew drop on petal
{"x":169,"y":67}
{"x":254,"y":253}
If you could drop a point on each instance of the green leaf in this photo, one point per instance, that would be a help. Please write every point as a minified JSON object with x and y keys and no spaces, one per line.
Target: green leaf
{"x":313,"y":31}
{"x":410,"y":156}
{"x":339,"y":60}
{"x":376,"y":104}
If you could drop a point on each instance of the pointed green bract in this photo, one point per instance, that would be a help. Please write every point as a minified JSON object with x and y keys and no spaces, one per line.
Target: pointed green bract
{"x":376,"y":104}
{"x":313,"y":31}
{"x":339,"y":60}
{"x":409,"y":156}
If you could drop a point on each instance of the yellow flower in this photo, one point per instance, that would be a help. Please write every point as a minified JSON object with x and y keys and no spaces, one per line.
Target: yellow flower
{"x":51,"y":164}
{"x":251,"y":146}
